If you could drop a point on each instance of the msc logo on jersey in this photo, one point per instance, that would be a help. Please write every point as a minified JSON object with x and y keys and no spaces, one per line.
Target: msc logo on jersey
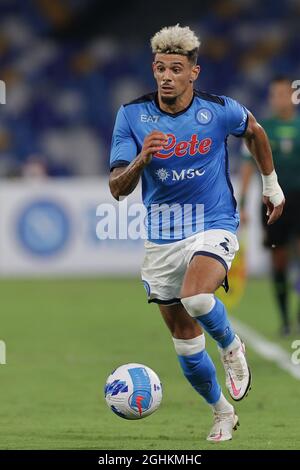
{"x":163,"y":174}
{"x":204,"y":116}
{"x":184,"y":147}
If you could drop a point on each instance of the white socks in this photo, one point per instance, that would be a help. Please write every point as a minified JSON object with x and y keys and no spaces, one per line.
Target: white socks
{"x":222,"y":405}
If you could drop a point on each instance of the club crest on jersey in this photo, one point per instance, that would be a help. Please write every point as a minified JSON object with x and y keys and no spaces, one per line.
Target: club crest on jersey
{"x":204,"y":116}
{"x":191,"y":147}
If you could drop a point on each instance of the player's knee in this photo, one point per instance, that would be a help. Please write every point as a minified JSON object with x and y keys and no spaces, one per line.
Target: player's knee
{"x":199,"y":304}
{"x":188,"y":347}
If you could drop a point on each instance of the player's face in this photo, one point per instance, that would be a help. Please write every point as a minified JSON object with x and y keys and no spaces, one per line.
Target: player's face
{"x":280,"y":97}
{"x":174,"y":75}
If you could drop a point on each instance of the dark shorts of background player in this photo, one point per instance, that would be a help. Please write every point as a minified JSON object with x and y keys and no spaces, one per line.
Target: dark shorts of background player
{"x":287,"y":227}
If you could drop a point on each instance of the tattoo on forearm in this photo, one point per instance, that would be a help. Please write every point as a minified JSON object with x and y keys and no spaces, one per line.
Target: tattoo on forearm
{"x":124,"y":180}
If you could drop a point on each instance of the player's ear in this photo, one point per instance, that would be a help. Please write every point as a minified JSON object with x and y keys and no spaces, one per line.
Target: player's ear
{"x":153,"y":67}
{"x":195,"y":72}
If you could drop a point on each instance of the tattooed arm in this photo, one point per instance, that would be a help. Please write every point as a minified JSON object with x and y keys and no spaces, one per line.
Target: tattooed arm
{"x":122,"y":180}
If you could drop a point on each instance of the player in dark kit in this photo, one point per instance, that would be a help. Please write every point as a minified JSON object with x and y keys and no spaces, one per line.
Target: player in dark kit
{"x":283,"y":130}
{"x":175,"y":140}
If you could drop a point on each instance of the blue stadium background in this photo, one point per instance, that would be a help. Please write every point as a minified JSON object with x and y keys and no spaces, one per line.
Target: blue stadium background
{"x":69,"y":65}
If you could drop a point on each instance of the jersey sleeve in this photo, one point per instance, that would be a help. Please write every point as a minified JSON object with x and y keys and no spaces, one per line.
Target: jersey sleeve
{"x":236,"y":117}
{"x":123,"y":146}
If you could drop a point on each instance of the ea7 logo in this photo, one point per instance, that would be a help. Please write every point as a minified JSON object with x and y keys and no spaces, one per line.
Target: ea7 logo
{"x":186,"y":174}
{"x":116,"y":387}
{"x":147,"y":118}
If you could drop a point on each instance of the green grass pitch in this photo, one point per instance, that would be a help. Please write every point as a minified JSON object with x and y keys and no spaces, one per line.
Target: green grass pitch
{"x":63,"y":338}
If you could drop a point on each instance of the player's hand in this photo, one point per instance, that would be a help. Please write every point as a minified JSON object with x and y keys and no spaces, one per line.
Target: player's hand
{"x":273,"y":197}
{"x":153,"y":142}
{"x":273,"y":212}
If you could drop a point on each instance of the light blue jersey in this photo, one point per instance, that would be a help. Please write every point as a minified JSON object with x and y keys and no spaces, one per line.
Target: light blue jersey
{"x":189,"y":179}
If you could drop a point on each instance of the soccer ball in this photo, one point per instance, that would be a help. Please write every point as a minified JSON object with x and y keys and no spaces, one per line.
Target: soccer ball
{"x":133,"y":391}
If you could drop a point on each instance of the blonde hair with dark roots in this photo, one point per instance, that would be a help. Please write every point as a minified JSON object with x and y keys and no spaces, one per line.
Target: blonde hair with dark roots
{"x":176,"y":40}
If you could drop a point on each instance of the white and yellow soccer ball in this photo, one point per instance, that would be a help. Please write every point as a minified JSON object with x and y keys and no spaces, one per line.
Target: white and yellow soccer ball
{"x":133,"y":391}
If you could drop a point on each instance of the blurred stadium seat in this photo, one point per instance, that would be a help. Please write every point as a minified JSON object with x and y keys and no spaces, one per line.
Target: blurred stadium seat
{"x":68,"y":66}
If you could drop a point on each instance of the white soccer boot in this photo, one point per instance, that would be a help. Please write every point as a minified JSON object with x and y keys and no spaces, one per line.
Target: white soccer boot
{"x":224,"y":424}
{"x":238,"y":375}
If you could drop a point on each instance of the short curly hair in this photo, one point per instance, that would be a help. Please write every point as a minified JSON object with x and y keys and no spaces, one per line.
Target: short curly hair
{"x":176,"y":40}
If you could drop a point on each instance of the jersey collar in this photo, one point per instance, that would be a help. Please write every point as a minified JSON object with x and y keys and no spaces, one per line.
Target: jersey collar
{"x":173,"y":115}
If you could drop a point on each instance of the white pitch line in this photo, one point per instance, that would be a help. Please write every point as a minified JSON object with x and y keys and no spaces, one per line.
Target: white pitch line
{"x":266,"y":349}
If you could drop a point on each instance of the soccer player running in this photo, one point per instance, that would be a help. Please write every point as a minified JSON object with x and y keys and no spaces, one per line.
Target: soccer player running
{"x":283,"y":130}
{"x":175,"y":140}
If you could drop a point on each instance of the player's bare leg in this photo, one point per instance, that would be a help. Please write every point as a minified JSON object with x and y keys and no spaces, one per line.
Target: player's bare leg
{"x":203,"y":276}
{"x":179,"y":322}
{"x":198,"y":368}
